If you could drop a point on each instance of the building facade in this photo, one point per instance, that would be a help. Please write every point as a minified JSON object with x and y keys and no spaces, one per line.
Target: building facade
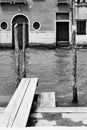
{"x":80,"y":15}
{"x":47,"y":21}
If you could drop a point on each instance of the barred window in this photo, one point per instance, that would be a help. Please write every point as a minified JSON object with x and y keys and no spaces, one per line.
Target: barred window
{"x":39,"y":0}
{"x":81,"y":27}
{"x":81,"y":1}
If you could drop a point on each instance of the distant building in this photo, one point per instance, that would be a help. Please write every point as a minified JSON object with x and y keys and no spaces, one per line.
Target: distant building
{"x":80,"y":15}
{"x":47,"y":21}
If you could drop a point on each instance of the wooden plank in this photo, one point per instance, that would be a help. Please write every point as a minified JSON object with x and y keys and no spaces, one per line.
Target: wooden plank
{"x":23,"y":113}
{"x":62,"y":110}
{"x":47,"y":99}
{"x":13,"y":104}
{"x":17,"y":103}
{"x":2,"y":109}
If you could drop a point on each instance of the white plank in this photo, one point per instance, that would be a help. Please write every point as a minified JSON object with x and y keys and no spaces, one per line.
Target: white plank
{"x":47,"y":99}
{"x":23,"y":113}
{"x":17,"y":103}
{"x":7,"y":116}
{"x":62,"y":110}
{"x":2,"y":109}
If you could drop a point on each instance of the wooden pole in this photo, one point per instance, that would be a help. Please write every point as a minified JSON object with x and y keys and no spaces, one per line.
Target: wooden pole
{"x":24,"y":44}
{"x":74,"y":48}
{"x":75,"y":98}
{"x":17,"y":54}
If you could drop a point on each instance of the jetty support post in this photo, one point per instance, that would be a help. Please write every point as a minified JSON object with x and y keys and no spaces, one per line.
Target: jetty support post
{"x":17,"y":54}
{"x":23,"y":52}
{"x":74,"y":48}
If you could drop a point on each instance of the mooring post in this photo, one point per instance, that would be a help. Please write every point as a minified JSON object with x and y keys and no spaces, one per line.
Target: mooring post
{"x":17,"y":54}
{"x":24,"y":58}
{"x":74,"y":48}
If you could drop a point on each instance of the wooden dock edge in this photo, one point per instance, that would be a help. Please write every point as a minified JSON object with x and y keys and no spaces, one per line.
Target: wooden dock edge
{"x":17,"y":112}
{"x":62,"y":110}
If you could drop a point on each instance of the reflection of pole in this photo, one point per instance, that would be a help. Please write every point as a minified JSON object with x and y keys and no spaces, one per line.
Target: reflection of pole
{"x":24,"y":44}
{"x":17,"y":53}
{"x":75,"y":98}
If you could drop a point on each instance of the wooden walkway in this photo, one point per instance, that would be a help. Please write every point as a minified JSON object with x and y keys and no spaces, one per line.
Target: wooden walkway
{"x":17,"y":112}
{"x":47,"y":114}
{"x":2,"y":109}
{"x":62,"y":110}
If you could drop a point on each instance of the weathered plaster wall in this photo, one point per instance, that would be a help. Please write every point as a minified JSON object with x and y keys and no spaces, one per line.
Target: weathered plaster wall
{"x":81,"y":14}
{"x":81,"y":39}
{"x":5,"y":37}
{"x":44,"y":12}
{"x":44,"y":37}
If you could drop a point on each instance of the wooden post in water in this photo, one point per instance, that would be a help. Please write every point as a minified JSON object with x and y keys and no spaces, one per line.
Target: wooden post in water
{"x":17,"y":54}
{"x":75,"y":98}
{"x":23,"y":51}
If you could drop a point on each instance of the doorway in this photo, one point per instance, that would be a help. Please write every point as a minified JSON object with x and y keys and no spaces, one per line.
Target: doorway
{"x":62,"y":32}
{"x":19,"y":20}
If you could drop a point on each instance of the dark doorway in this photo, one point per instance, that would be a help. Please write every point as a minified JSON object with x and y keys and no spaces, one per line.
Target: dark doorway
{"x":20,"y":19}
{"x":62,"y":32}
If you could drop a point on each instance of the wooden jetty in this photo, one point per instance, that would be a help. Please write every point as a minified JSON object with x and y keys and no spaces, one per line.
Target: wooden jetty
{"x":48,"y":114}
{"x":17,"y":112}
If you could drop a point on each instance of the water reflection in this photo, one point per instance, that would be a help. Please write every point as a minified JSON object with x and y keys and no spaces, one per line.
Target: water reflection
{"x":54,"y":70}
{"x":7,"y":76}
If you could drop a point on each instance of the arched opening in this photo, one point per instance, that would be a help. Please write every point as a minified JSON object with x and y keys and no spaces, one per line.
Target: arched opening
{"x":20,"y":19}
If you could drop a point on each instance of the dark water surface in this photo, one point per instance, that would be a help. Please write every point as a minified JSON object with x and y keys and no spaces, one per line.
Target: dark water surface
{"x":54,"y":70}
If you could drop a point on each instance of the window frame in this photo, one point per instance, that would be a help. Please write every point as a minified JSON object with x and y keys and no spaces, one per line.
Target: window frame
{"x":81,"y":27}
{"x":33,"y":26}
{"x":2,"y":28}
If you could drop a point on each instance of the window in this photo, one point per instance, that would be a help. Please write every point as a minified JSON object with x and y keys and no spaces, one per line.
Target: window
{"x":63,"y":1}
{"x":81,"y":27}
{"x":20,"y":1}
{"x":38,"y":0}
{"x":13,"y":1}
{"x":81,"y":1}
{"x":4,"y":25}
{"x":36,"y":25}
{"x":62,"y":16}
{"x":5,"y":1}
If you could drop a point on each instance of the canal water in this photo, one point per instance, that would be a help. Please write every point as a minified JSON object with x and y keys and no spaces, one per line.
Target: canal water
{"x":54,"y":70}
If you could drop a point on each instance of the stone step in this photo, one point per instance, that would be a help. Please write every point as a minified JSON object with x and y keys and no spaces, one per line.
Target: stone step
{"x":58,"y":119}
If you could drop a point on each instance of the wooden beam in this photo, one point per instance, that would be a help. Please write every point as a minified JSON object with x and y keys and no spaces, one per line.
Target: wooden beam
{"x":23,"y":113}
{"x":2,"y":109}
{"x":12,"y":106}
{"x":18,"y":109}
{"x":17,"y":54}
{"x":62,"y":110}
{"x":23,"y":52}
{"x":47,"y":99}
{"x":17,"y":103}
